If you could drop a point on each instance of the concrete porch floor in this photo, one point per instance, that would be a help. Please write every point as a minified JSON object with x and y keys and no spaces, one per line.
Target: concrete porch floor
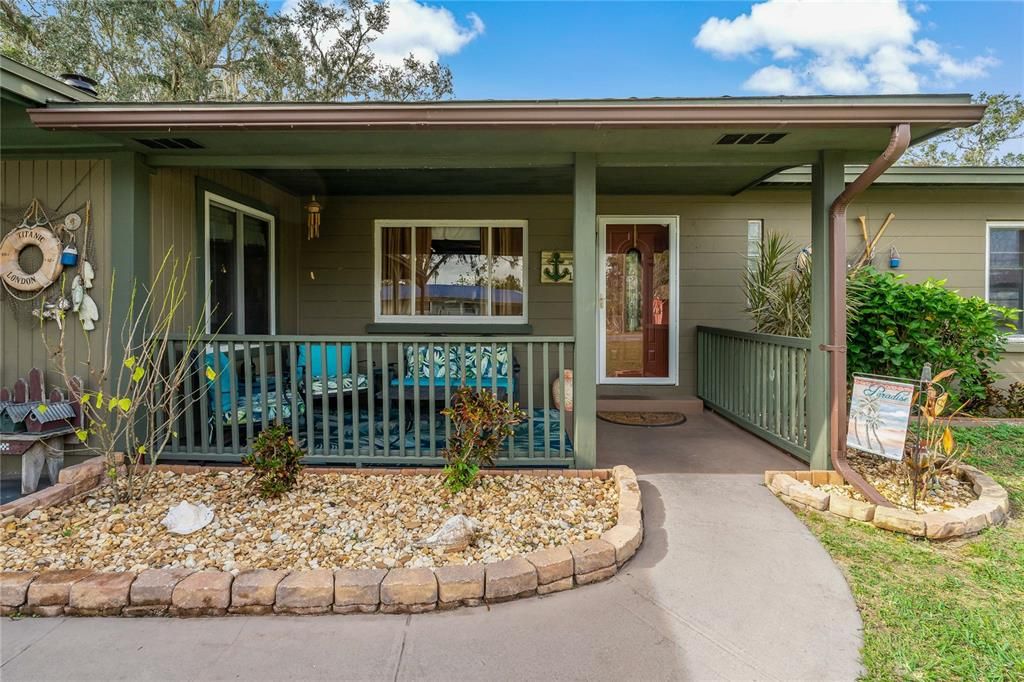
{"x":728,"y":584}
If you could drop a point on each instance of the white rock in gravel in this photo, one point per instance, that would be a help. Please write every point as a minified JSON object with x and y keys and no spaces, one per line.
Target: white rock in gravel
{"x":185,"y":518}
{"x":454,"y":535}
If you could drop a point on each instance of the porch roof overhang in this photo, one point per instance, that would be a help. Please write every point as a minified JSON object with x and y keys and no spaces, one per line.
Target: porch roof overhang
{"x":642,"y":146}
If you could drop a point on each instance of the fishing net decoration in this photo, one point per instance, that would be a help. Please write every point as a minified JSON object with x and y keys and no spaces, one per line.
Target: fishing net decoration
{"x":72,"y":226}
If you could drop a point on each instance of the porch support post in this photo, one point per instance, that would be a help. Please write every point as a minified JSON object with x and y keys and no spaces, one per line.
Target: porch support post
{"x":827,"y":182}
{"x":129,"y":237}
{"x":584,"y":311}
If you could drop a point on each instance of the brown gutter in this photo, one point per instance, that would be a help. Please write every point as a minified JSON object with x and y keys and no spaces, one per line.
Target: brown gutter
{"x":511,"y":115}
{"x":898,"y":143}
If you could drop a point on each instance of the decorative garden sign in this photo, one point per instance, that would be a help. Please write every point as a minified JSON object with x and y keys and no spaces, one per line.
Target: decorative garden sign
{"x":879,"y":415}
{"x":556,"y":267}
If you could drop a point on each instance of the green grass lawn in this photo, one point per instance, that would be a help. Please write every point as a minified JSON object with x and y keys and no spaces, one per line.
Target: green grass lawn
{"x":942,"y":611}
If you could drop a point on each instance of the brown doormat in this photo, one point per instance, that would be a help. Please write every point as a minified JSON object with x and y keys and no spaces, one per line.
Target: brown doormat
{"x":643,"y":418}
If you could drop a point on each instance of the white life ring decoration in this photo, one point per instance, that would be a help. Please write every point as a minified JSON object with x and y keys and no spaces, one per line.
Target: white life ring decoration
{"x":16,"y":241}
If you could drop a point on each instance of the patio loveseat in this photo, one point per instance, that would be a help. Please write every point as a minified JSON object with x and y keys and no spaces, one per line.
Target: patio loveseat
{"x":429,"y":365}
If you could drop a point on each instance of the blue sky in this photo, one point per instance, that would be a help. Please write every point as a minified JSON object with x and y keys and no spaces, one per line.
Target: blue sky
{"x":644,"y":49}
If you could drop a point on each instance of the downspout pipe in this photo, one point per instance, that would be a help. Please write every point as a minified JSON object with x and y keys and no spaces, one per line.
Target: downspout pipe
{"x":898,"y":143}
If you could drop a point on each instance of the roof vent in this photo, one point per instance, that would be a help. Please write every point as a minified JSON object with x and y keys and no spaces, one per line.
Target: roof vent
{"x":750,"y":138}
{"x":168,"y":143}
{"x":80,"y":82}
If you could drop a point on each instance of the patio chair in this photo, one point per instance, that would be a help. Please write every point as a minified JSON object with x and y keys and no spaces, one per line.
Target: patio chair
{"x":350,"y":381}
{"x":242,"y":409}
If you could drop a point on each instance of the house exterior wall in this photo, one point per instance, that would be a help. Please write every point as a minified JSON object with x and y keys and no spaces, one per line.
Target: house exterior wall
{"x":51,"y":181}
{"x":173,"y":209}
{"x":325,"y":286}
{"x":940,"y":232}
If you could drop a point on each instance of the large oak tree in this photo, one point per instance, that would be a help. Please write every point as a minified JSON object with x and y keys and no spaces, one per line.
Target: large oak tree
{"x":199,"y":50}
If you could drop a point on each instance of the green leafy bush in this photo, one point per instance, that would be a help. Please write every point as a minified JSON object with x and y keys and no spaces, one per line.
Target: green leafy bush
{"x":276,"y":462}
{"x":480,"y":424}
{"x":902,"y":326}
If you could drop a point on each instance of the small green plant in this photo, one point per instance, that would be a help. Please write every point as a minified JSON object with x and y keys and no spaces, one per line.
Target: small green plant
{"x":276,"y":462}
{"x":934,"y":450}
{"x":481,"y":423}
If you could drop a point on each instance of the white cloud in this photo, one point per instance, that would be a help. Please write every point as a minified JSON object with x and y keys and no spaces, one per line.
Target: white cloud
{"x":839,"y":75}
{"x":776,"y":80}
{"x":425,"y":31}
{"x":837,"y":47}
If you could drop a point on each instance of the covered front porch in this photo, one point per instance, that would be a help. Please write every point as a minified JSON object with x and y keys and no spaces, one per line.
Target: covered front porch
{"x":355,"y":345}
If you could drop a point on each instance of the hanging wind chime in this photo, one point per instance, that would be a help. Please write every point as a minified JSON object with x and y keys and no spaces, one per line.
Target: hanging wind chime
{"x":313,"y":218}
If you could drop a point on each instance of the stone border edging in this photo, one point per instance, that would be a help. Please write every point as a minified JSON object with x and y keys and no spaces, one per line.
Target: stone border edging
{"x":797,"y":488}
{"x":183,"y":592}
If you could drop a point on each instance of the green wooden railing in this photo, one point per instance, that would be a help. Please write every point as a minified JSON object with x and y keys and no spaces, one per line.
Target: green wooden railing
{"x":359,"y":400}
{"x":758,"y":381}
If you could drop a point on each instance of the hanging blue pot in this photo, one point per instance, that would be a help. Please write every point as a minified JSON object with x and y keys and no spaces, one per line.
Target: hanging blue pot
{"x":69,"y":256}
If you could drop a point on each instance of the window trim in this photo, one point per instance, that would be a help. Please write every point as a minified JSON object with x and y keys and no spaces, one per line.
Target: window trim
{"x":378,"y":228}
{"x":999,"y":224}
{"x":213,"y":197}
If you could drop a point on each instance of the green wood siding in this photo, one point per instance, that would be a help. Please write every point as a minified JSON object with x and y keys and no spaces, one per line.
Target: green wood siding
{"x":51,"y":181}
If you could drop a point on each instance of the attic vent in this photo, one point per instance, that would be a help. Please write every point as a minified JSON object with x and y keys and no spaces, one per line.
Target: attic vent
{"x":750,"y":138}
{"x":169,"y":143}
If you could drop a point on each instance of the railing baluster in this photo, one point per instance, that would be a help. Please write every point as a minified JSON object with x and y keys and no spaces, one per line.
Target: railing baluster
{"x":801,"y":412}
{"x":529,"y":396}
{"x":512,"y":388}
{"x":168,"y":421}
{"x":278,"y":384}
{"x":233,"y":392}
{"x":325,"y":397}
{"x":385,"y":403}
{"x":403,"y":392}
{"x":448,"y":390}
{"x":547,"y":405}
{"x":264,"y":385}
{"x":355,"y":401}
{"x":417,"y":380}
{"x":777,"y":353}
{"x":189,"y":418}
{"x":371,"y":401}
{"x":218,"y":407}
{"x":561,"y":403}
{"x":431,"y":378}
{"x":307,"y":380}
{"x":293,"y":396}
{"x":247,"y":364}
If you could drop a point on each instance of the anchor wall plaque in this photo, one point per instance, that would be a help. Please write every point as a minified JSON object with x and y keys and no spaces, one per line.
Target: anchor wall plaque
{"x":556,"y":267}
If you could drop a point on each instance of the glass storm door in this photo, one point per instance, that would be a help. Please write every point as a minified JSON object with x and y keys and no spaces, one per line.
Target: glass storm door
{"x":638,"y":302}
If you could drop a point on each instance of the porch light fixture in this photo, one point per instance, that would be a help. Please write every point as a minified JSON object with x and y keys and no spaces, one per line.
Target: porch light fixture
{"x":312,"y":218}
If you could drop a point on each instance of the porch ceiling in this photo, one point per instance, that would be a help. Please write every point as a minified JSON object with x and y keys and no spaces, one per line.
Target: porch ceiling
{"x":544,"y":180}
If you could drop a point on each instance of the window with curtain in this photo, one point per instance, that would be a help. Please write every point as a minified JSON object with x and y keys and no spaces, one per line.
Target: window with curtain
{"x":240,"y":267}
{"x":1005,"y":284}
{"x":452,"y":271}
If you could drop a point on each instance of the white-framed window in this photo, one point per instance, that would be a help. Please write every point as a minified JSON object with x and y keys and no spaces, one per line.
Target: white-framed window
{"x":1004,"y":268}
{"x":755,"y":235}
{"x":463,"y":271}
{"x":240,"y":254}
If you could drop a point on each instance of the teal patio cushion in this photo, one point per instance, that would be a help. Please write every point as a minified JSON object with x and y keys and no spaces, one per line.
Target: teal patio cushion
{"x":487,"y":362}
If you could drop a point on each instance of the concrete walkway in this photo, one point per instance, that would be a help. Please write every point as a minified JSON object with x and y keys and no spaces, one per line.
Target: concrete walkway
{"x":727,"y":585}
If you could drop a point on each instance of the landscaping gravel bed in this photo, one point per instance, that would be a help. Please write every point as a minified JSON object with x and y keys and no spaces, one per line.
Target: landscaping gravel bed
{"x":889,"y":478}
{"x":328,"y":521}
